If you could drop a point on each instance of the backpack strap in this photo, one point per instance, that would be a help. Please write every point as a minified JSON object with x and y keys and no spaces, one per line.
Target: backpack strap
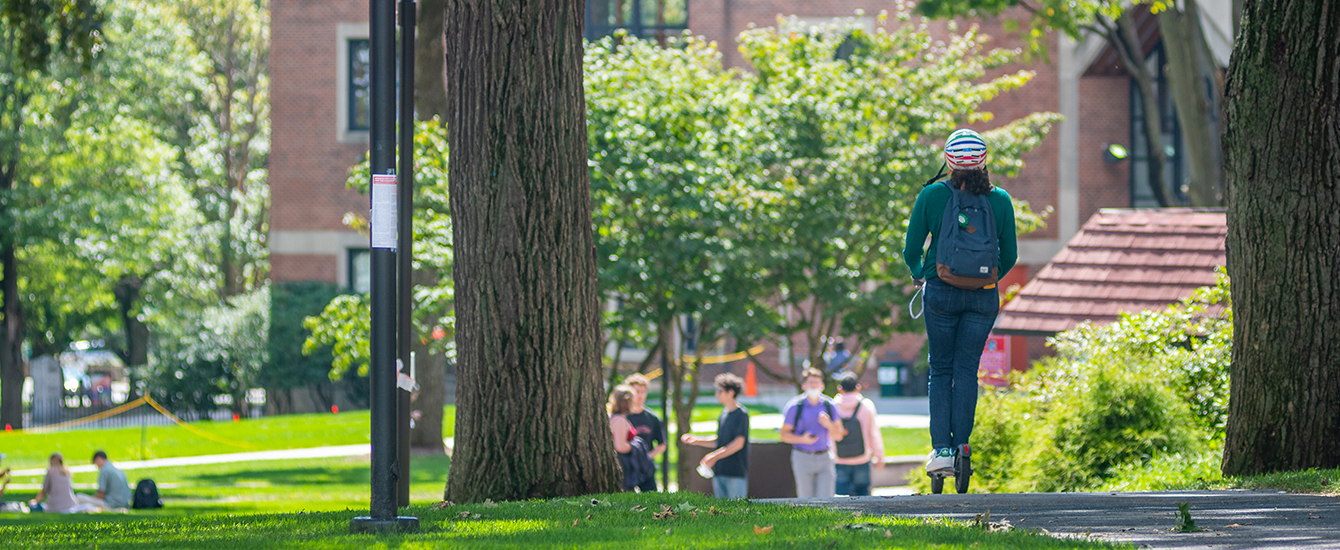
{"x":795,"y":421}
{"x":857,"y":410}
{"x":937,"y":175}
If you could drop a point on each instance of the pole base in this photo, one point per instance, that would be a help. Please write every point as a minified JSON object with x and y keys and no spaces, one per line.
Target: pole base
{"x":401,"y":524}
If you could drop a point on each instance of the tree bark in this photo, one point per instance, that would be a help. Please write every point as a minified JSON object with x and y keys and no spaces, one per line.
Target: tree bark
{"x":430,"y":84}
{"x":530,"y":418}
{"x":136,"y":353}
{"x":11,"y":340}
{"x":431,"y":374}
{"x":1198,"y":95}
{"x":1282,"y":159}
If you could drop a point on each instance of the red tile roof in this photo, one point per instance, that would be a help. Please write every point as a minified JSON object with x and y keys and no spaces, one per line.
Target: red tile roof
{"x":1121,"y":260}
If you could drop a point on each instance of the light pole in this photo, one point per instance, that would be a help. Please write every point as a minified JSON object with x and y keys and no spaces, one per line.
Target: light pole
{"x":384,"y":204}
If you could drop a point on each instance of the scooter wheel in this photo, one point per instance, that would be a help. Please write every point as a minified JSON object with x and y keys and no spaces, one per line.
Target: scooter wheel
{"x":937,"y":485}
{"x":962,"y":469}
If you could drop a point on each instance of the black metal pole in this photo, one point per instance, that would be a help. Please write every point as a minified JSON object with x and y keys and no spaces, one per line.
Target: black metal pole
{"x":405,"y":255}
{"x":382,"y":506}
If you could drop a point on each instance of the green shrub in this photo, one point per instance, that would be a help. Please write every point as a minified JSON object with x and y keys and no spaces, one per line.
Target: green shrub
{"x":1111,"y":415}
{"x":1139,"y":403}
{"x":1195,"y":471}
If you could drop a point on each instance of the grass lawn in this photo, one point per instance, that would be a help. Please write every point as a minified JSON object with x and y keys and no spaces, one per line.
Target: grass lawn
{"x":297,"y":431}
{"x":616,"y":522}
{"x":305,"y":485}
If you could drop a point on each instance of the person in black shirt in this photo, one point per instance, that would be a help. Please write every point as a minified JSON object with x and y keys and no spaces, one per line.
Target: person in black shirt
{"x":647,"y":424}
{"x":729,"y":460}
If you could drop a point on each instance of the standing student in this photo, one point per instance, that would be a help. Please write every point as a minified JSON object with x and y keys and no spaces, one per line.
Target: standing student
{"x":649,"y":426}
{"x":113,"y":488}
{"x":729,"y":459}
{"x":810,"y":427}
{"x":631,"y":448}
{"x":863,"y":446}
{"x":971,"y":225}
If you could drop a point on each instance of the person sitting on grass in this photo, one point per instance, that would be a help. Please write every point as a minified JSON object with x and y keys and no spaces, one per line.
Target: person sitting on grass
{"x":113,"y":488}
{"x":58,"y":490}
{"x":729,"y":459}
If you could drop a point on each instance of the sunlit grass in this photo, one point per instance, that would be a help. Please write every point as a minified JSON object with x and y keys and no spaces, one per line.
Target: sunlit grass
{"x":614,"y":522}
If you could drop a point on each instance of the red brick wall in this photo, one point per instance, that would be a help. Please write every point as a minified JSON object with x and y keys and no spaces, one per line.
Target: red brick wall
{"x":302,"y":267}
{"x":308,"y":167}
{"x":1104,"y":106}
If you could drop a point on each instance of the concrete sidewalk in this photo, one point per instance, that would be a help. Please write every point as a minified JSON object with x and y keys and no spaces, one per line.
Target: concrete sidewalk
{"x":1230,"y":519}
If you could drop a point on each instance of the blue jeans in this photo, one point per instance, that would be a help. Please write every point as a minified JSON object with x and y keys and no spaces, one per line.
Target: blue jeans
{"x":730,"y":487}
{"x":958,"y":322}
{"x":853,"y":480}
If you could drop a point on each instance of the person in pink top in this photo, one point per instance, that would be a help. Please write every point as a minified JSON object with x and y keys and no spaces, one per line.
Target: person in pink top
{"x":863,"y":446}
{"x":58,"y":490}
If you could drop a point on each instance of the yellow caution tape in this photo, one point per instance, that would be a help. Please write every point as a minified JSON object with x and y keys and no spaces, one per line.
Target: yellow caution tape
{"x":188,"y":427}
{"x":714,"y":359}
{"x":87,"y":419}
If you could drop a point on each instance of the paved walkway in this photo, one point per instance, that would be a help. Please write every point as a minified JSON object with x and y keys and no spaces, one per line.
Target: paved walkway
{"x":288,"y":454}
{"x":1230,"y":519}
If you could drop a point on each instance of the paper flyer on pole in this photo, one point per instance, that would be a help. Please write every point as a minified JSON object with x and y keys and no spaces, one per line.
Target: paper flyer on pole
{"x":384,"y":209}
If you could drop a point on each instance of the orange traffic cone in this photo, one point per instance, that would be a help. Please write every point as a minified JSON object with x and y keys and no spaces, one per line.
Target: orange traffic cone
{"x":750,"y":382}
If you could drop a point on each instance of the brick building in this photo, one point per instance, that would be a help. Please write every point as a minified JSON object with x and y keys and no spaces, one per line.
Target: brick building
{"x":319,"y":121}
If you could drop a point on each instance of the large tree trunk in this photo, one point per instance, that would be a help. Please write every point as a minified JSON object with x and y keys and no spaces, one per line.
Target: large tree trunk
{"x":530,"y":419}
{"x":11,"y":340}
{"x":1282,"y":153}
{"x":136,"y":352}
{"x":1197,"y":92}
{"x":430,"y":88}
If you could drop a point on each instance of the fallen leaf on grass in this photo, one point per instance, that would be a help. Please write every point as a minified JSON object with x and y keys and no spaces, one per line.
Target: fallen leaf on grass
{"x":488,"y":503}
{"x":574,"y":522}
{"x":465,"y":514}
{"x":665,"y":513}
{"x":639,"y":508}
{"x":443,"y":504}
{"x":888,"y":534}
{"x":670,"y":530}
{"x":590,"y":516}
{"x":762,"y":530}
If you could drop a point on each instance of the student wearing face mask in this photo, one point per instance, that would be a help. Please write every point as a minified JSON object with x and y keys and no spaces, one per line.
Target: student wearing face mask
{"x":810,"y":427}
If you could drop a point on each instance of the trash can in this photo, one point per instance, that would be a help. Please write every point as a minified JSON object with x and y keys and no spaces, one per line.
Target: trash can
{"x":769,"y":470}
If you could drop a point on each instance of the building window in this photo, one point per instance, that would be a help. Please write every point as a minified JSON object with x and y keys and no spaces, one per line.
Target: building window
{"x":1175,"y":170}
{"x":360,"y":87}
{"x":360,"y":270}
{"x":643,"y":18}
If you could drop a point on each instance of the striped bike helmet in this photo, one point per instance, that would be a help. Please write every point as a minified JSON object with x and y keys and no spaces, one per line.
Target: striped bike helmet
{"x":965,"y":150}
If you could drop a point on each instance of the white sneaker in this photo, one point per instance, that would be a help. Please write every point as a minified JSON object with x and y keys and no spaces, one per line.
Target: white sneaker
{"x":940,"y":459}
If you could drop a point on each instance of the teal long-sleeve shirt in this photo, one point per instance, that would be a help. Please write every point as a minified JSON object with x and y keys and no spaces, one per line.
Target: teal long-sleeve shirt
{"x":929,"y":211}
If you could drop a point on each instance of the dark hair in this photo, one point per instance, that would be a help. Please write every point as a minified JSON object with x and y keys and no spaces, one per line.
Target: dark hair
{"x":977,"y":182}
{"x":729,"y":382}
{"x":805,"y":374}
{"x":100,"y":454}
{"x":848,"y":382}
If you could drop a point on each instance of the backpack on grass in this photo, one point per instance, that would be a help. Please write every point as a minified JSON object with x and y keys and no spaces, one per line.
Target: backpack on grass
{"x":146,"y":495}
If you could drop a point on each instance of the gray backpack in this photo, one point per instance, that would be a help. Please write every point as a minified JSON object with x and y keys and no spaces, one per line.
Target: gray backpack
{"x":968,"y":253}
